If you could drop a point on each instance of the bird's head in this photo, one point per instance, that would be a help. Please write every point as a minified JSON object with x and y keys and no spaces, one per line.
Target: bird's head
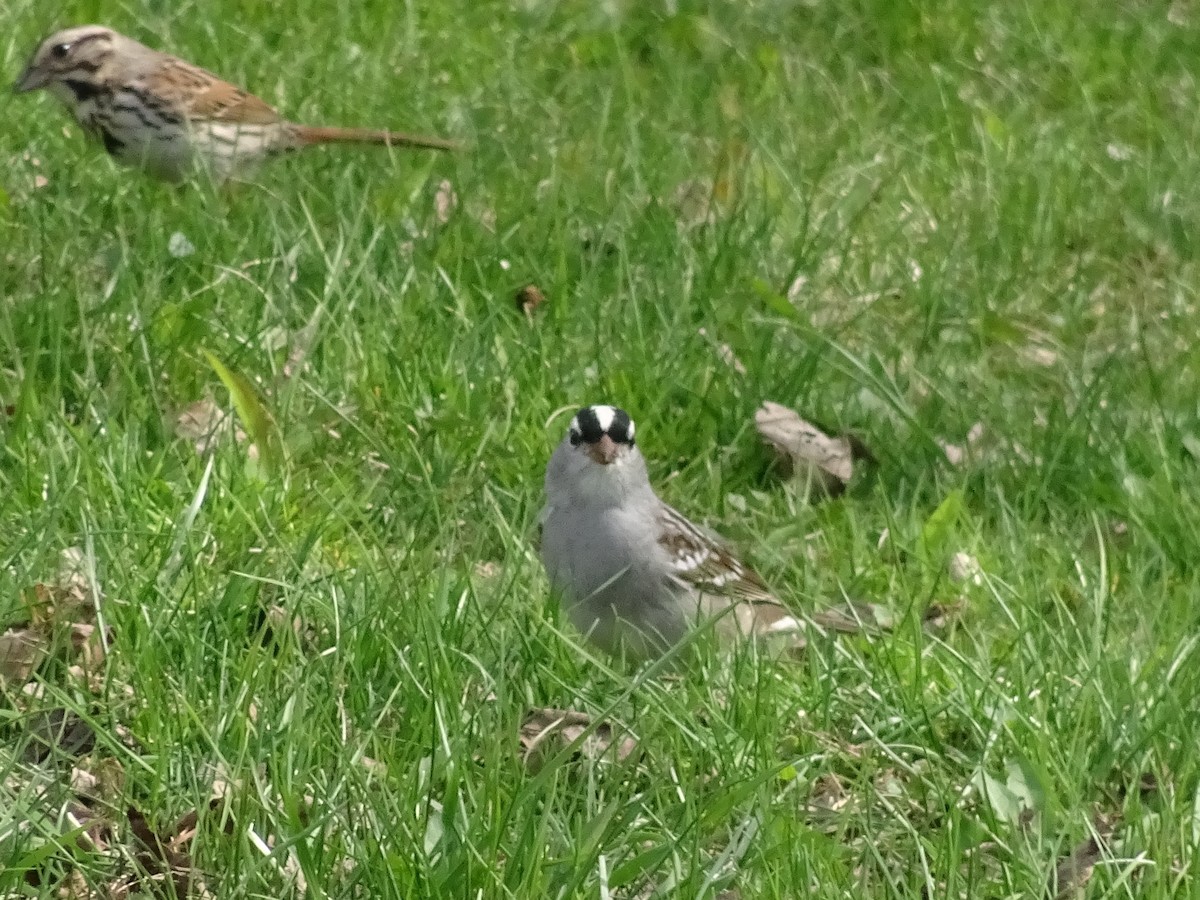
{"x":73,"y":54}
{"x":604,"y":434}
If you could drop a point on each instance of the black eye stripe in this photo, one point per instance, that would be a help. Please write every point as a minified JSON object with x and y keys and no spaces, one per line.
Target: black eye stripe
{"x":594,"y":422}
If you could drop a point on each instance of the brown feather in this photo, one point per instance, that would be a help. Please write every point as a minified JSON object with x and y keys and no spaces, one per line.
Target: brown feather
{"x":205,"y":96}
{"x":307,"y":135}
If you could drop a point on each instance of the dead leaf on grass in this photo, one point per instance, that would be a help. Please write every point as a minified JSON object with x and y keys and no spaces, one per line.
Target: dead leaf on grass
{"x":98,"y":779}
{"x":828,"y":794}
{"x":70,"y":597}
{"x":89,"y":647}
{"x":75,"y":887}
{"x":61,"y":619}
{"x":546,"y":731}
{"x":58,"y":733}
{"x":1075,"y":870}
{"x":203,"y":423}
{"x":162,"y":858}
{"x":804,"y":451}
{"x":530,"y":298}
{"x":939,"y":614}
{"x":21,"y":652}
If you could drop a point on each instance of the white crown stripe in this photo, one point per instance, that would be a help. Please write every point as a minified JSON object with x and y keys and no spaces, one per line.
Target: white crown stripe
{"x":604,"y":417}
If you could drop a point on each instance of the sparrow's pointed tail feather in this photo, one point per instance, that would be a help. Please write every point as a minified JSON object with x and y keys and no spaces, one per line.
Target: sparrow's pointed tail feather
{"x":307,"y":135}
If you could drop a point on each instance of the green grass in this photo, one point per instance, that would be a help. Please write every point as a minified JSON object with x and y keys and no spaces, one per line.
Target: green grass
{"x":980,"y":214}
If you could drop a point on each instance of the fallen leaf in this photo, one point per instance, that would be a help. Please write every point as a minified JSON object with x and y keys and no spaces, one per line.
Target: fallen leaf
{"x":202,"y":423}
{"x":97,"y":830}
{"x":21,"y":652}
{"x":89,"y":645}
{"x":69,"y":598}
{"x":74,"y":887}
{"x":806,"y":452}
{"x":828,"y":793}
{"x":939,"y":614}
{"x":547,"y":731}
{"x":58,"y":733}
{"x":1076,"y":868}
{"x":530,"y":298}
{"x":161,"y":858}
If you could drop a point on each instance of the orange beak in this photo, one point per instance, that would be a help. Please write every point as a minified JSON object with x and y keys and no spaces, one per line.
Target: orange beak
{"x":604,"y":451}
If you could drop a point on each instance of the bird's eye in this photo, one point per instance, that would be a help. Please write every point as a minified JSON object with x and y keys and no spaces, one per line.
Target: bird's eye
{"x":60,"y":51}
{"x":575,"y":438}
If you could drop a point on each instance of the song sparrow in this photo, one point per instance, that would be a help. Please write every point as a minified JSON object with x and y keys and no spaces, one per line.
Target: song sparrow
{"x":158,"y":112}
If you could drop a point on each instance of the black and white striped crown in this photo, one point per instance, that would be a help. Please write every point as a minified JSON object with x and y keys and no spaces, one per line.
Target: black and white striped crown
{"x":593,"y":422}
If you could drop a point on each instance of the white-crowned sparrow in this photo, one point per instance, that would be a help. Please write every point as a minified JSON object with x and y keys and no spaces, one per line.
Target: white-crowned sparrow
{"x":634,"y":574}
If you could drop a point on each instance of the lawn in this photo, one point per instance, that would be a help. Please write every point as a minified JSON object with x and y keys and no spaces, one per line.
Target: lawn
{"x":296,"y":636}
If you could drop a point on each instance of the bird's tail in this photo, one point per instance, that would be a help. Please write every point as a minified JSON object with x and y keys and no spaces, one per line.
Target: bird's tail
{"x":308,"y":135}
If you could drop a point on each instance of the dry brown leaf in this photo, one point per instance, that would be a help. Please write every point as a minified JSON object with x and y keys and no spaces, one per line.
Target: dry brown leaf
{"x":75,"y":887}
{"x":161,"y":858}
{"x":530,"y":298}
{"x":939,"y":614}
{"x":203,"y":423}
{"x":68,"y":599}
{"x":57,"y":733}
{"x":110,"y":778}
{"x":82,"y":781}
{"x":828,"y":793}
{"x":547,"y":731}
{"x":21,"y":652}
{"x":804,"y":451}
{"x":89,"y":646}
{"x":96,"y":831}
{"x":1076,"y":868}
{"x":374,"y":766}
